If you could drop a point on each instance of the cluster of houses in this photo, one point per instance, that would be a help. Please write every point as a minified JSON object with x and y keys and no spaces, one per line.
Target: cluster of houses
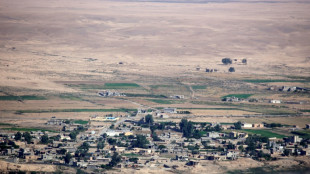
{"x":170,"y":146}
{"x":232,"y":99}
{"x":288,"y":89}
{"x":107,"y":93}
{"x":273,"y":101}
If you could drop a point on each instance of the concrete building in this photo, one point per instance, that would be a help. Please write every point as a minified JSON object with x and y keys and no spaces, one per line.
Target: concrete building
{"x":275,"y":101}
{"x":170,"y":110}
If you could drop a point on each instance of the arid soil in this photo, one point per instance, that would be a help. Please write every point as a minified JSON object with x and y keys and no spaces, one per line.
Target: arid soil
{"x":48,"y":48}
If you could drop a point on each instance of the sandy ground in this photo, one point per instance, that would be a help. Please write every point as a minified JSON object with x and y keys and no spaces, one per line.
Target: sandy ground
{"x":4,"y":166}
{"x":224,"y":166}
{"x":44,"y":42}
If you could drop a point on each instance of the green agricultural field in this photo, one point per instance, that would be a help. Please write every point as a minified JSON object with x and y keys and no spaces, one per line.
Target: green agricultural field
{"x":6,"y":124}
{"x":165,"y":101}
{"x":243,"y":96}
{"x":199,"y":87}
{"x":76,"y":110}
{"x":263,"y":132}
{"x":25,"y":97}
{"x":161,"y":86}
{"x":70,"y":97}
{"x":120,"y":85}
{"x":105,"y":86}
{"x":80,"y":122}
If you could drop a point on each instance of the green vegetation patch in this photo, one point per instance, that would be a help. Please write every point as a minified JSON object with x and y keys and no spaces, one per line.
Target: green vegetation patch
{"x":6,"y":124}
{"x":80,"y":122}
{"x":302,"y":133}
{"x":76,"y":110}
{"x":120,"y":85}
{"x":166,"y":101}
{"x":161,"y":86}
{"x":28,"y":129}
{"x":105,"y":86}
{"x":243,"y":96}
{"x":70,"y":97}
{"x":264,"y":133}
{"x":199,"y":86}
{"x":24,"y":97}
{"x":145,"y":95}
{"x":305,"y":110}
{"x":227,"y":123}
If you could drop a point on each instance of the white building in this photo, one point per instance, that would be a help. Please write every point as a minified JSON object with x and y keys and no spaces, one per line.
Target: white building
{"x":275,"y":101}
{"x":170,"y":110}
{"x":246,"y":125}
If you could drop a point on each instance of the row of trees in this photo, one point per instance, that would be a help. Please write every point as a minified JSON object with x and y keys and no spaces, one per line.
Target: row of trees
{"x":227,"y":61}
{"x":189,"y":131}
{"x":26,"y":135}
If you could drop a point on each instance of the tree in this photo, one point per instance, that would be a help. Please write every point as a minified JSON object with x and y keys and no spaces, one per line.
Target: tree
{"x":187,"y":128}
{"x":241,"y":148}
{"x":27,"y":137}
{"x":238,"y":125}
{"x":135,"y":160}
{"x":111,"y":141}
{"x":231,"y":69}
{"x":44,"y":139}
{"x":226,"y":61}
{"x":18,"y":136}
{"x":104,"y":135}
{"x":140,"y":142}
{"x":244,"y":61}
{"x":286,"y":152}
{"x":100,"y":144}
{"x":217,"y":127}
{"x":230,"y":146}
{"x":84,"y":147}
{"x":155,"y":137}
{"x":149,"y":119}
{"x":61,"y":151}
{"x":112,"y":126}
{"x":161,"y":146}
{"x":115,"y":160}
{"x":67,"y":158}
{"x":197,"y":134}
{"x":73,"y":135}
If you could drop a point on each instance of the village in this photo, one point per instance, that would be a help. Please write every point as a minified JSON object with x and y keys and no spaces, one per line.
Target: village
{"x":118,"y":142}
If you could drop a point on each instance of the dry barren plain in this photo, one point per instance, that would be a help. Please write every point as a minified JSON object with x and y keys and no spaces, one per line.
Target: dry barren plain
{"x":55,"y":56}
{"x":67,"y":51}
